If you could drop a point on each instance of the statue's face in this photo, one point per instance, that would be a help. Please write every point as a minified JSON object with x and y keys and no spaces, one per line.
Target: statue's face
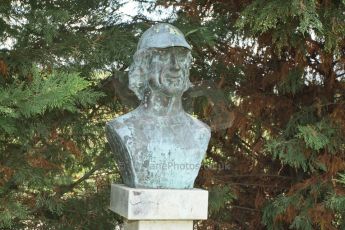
{"x":169,"y":70}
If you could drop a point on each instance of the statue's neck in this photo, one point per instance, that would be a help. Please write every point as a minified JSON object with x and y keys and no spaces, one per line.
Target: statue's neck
{"x":161,"y":105}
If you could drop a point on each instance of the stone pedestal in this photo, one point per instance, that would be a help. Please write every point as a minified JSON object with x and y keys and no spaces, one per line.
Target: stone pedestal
{"x":158,"y":225}
{"x":159,"y":209}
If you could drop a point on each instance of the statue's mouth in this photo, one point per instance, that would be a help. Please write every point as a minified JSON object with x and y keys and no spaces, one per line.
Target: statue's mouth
{"x":174,"y":81}
{"x":173,"y":76}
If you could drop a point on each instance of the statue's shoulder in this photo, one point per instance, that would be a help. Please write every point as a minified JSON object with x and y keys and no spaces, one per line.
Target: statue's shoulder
{"x":203,"y":128}
{"x":122,"y":125}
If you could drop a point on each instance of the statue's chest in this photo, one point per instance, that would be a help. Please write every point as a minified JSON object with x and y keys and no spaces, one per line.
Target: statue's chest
{"x":163,"y":140}
{"x":161,"y":153}
{"x":160,"y":142}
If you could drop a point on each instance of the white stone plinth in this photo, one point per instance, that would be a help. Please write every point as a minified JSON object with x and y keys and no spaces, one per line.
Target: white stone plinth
{"x":159,"y":204}
{"x":159,"y":209}
{"x":159,"y":225}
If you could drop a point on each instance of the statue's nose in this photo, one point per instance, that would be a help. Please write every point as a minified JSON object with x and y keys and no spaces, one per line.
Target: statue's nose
{"x":174,"y":63}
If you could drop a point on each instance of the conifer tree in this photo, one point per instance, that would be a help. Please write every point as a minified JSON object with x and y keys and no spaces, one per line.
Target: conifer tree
{"x":270,"y":82}
{"x":55,"y":168}
{"x":268,"y":78}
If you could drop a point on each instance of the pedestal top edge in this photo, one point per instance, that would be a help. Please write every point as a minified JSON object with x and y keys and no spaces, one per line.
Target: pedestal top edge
{"x":124,"y":187}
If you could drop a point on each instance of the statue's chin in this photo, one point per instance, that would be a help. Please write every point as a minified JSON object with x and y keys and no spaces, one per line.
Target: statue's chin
{"x":168,"y":87}
{"x":171,"y":90}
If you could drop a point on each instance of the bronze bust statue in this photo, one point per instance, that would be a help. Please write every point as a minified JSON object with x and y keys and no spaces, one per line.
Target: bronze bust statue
{"x":159,"y":145}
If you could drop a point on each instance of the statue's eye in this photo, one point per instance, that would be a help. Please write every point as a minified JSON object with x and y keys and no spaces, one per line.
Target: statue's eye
{"x":163,"y":55}
{"x":181,"y":57}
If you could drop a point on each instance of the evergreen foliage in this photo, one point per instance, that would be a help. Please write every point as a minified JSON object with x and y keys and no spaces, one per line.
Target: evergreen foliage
{"x":268,"y":78}
{"x":55,"y":169}
{"x":279,"y":118}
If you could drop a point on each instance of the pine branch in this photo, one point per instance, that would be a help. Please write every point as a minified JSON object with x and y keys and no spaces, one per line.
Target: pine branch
{"x":67,"y":188}
{"x":257,"y":175}
{"x":340,"y":75}
{"x":245,"y":208}
{"x":254,"y":184}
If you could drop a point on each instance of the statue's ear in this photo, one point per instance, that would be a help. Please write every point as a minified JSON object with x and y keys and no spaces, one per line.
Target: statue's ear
{"x":138,"y":73}
{"x":135,"y":81}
